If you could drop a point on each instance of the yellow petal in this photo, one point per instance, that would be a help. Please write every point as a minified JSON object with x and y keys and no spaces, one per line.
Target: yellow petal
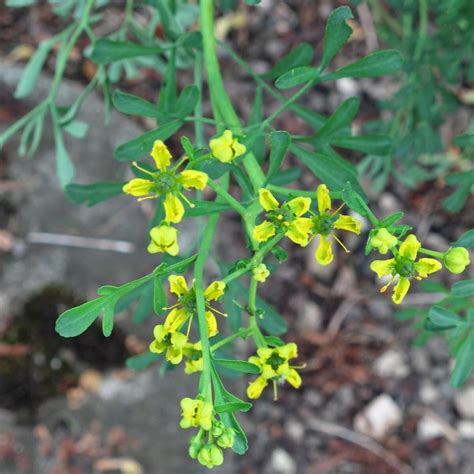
{"x":163,"y":239}
{"x":174,"y":355}
{"x":159,"y":332}
{"x":175,"y":319}
{"x":299,"y":231}
{"x":138,"y":187}
{"x":263,"y":231}
{"x":348,"y":223}
{"x":178,"y":285}
{"x":193,"y":179}
{"x":178,"y":340}
{"x":211,"y":324}
{"x":214,"y":291}
{"x":425,"y":266}
{"x":161,"y":155}
{"x":267,"y":200}
{"x":409,"y":248}
{"x":157,"y":347}
{"x":299,"y":205}
{"x":288,"y":351}
{"x":324,"y":200}
{"x":383,"y":267}
{"x":221,"y":147}
{"x":294,"y":379}
{"x":383,"y":240}
{"x":238,"y":148}
{"x":174,"y":209}
{"x":400,"y":290}
{"x":255,"y":389}
{"x":324,"y":255}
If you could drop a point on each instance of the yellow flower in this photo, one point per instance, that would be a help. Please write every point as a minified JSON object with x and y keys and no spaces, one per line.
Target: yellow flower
{"x":170,"y":341}
{"x":226,"y":148}
{"x":260,"y":273}
{"x":456,"y":259}
{"x":383,"y":240}
{"x":210,"y":456}
{"x":164,"y":238}
{"x":194,"y":362}
{"x":324,"y":223}
{"x":166,"y":182}
{"x":405,"y":266}
{"x":185,"y":308}
{"x":286,"y":218}
{"x":196,"y":413}
{"x":274,"y":365}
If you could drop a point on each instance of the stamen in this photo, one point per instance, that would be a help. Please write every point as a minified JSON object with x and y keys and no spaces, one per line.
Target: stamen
{"x":188,"y":202}
{"x":341,"y":244}
{"x":170,"y":307}
{"x":338,"y":209}
{"x":275,"y":391}
{"x":208,"y":306}
{"x":384,"y":288}
{"x":189,"y":326}
{"x":142,"y":169}
{"x":146,"y":197}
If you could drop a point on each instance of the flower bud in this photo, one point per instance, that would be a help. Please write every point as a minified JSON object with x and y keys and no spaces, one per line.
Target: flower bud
{"x":260,"y":272}
{"x":210,"y":456}
{"x":217,"y":429}
{"x":456,"y":259}
{"x":226,"y":440}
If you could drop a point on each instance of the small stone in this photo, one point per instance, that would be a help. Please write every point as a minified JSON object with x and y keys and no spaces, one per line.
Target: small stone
{"x":432,"y":426}
{"x":313,"y":398}
{"x":381,"y":416}
{"x":464,"y":401}
{"x":310,"y":318}
{"x":428,"y":393}
{"x":347,"y":87}
{"x":281,"y":463}
{"x":295,"y":430}
{"x":466,"y":429}
{"x":391,"y":364}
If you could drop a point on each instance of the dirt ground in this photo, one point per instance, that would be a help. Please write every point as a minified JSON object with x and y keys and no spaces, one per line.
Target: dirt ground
{"x":70,"y":406}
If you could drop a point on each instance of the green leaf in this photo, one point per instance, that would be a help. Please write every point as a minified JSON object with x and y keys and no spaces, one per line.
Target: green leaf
{"x":108,"y":320}
{"x":106,"y":51}
{"x":296,"y":76}
{"x":353,"y":200}
{"x":133,"y":105}
{"x":443,"y":318}
{"x":29,"y":78}
{"x":231,"y":407}
{"x":466,"y":140}
{"x":19,"y":3}
{"x":466,"y":240}
{"x":463,"y":289}
{"x":143,"y":144}
{"x":76,"y":320}
{"x":256,"y":114}
{"x":205,"y":208}
{"x":238,"y":366}
{"x":455,"y":201}
{"x":370,"y":144}
{"x":187,"y":101}
{"x":64,"y":167}
{"x":159,"y":295}
{"x":464,"y":361}
{"x":342,"y":117}
{"x":76,"y":128}
{"x":92,"y":194}
{"x":213,"y":168}
{"x":389,"y":220}
{"x":271,"y":321}
{"x":286,"y":176}
{"x":142,"y":361}
{"x":279,"y":144}
{"x":300,"y":56}
{"x":144,"y":308}
{"x":336,"y":35}
{"x":379,"y":63}
{"x":274,"y":341}
{"x":168,"y":21}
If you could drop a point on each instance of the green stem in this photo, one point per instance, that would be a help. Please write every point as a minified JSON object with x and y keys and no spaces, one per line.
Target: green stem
{"x":243,"y":333}
{"x":198,"y":127}
{"x":291,"y":192}
{"x":432,"y":253}
{"x":252,"y":309}
{"x":423,"y":29}
{"x":225,"y":196}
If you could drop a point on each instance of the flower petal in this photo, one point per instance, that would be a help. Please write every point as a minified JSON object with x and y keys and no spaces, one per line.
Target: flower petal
{"x":178,"y":340}
{"x":288,"y":351}
{"x":263,"y":231}
{"x":214,"y":291}
{"x":161,"y":155}
{"x":299,"y":231}
{"x":238,"y":148}
{"x":324,"y":255}
{"x":178,"y":285}
{"x":425,"y":266}
{"x":409,"y":248}
{"x":267,"y":200}
{"x":348,"y":223}
{"x":163,"y":239}
{"x":175,"y":319}
{"x":299,"y":205}
{"x":221,"y":147}
{"x":138,"y":187}
{"x":255,"y":389}
{"x":294,"y":378}
{"x":383,"y":267}
{"x":324,"y":200}
{"x":211,"y":324}
{"x":193,"y":179}
{"x":174,"y":209}
{"x":400,"y":290}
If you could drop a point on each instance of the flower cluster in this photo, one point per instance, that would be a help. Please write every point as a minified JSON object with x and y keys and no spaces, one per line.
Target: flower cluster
{"x":290,"y":219}
{"x":275,"y":367}
{"x":197,"y":413}
{"x":168,"y":336}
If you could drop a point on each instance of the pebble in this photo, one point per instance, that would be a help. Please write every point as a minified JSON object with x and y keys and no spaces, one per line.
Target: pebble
{"x":432,"y":426}
{"x":280,"y":463}
{"x":313,"y":398}
{"x":381,"y":416}
{"x":466,"y":429}
{"x":464,"y":401}
{"x":347,"y":87}
{"x":428,"y":393}
{"x":310,"y":318}
{"x":391,"y":364}
{"x":295,"y":430}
